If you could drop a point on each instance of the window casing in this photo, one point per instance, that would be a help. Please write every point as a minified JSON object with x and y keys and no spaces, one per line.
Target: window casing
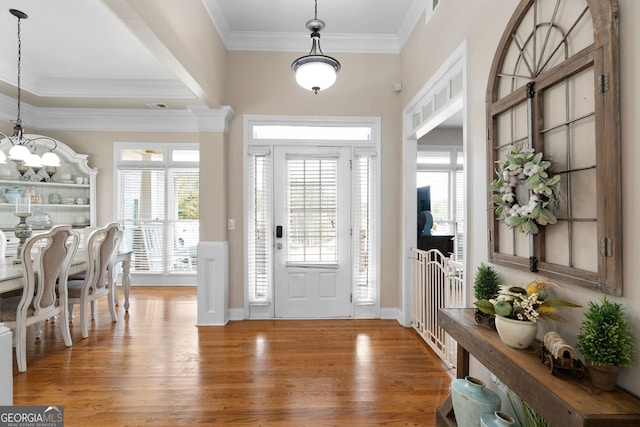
{"x":262,"y":137}
{"x":554,"y":86}
{"x":259,"y":220}
{"x":157,"y":194}
{"x":365,"y":230}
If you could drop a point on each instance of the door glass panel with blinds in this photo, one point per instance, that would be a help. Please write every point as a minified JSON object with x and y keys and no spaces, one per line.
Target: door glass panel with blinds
{"x":158,"y":203}
{"x":312,"y":211}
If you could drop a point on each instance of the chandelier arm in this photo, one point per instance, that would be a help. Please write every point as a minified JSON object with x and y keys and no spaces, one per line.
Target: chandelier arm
{"x":55,"y":144}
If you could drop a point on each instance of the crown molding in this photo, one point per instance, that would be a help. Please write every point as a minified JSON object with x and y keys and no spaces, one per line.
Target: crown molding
{"x":9,"y":110}
{"x":194,"y":119}
{"x":293,"y":42}
{"x":212,"y":120}
{"x":112,"y":88}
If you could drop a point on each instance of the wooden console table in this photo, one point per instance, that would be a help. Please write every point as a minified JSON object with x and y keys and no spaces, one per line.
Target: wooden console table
{"x":561,"y":398}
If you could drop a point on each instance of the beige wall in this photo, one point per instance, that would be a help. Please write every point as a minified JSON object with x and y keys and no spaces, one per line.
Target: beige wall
{"x":481,"y":23}
{"x":213,"y":187}
{"x":262,"y":83}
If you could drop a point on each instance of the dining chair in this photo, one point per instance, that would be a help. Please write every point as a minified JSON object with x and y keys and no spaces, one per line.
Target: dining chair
{"x":102,"y":248}
{"x":46,"y":259}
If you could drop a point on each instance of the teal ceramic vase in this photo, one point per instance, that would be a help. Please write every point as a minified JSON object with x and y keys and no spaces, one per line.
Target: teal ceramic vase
{"x":471,"y":399}
{"x":497,"y":419}
{"x":11,"y":194}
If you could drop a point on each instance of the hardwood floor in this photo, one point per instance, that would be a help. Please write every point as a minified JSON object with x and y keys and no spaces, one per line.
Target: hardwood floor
{"x":154,"y":367}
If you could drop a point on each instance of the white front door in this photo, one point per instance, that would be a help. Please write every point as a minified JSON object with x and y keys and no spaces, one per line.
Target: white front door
{"x":311,"y":195}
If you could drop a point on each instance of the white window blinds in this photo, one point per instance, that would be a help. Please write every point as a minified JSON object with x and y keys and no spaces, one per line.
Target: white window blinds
{"x":159,"y":208}
{"x":312,"y":197}
{"x":260,"y":237}
{"x":364,"y":230}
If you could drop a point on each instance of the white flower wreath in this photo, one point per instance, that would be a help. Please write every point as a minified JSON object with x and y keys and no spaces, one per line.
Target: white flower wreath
{"x":525,"y":165}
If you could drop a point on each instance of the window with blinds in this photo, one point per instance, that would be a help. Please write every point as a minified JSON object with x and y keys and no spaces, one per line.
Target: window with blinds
{"x":364,"y":229}
{"x":260,"y":238}
{"x":442,"y":170}
{"x":312,"y":203}
{"x":158,"y":204}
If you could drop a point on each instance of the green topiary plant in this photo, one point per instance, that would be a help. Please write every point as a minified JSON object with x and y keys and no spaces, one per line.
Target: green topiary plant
{"x":605,"y":335}
{"x":486,"y":284}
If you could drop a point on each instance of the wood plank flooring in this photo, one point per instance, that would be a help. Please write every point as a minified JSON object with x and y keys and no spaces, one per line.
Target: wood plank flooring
{"x":154,"y":367}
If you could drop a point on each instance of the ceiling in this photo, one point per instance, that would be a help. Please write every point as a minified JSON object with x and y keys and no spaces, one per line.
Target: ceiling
{"x":93,"y":54}
{"x":80,"y":53}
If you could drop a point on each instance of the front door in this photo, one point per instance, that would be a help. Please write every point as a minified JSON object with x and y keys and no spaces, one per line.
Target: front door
{"x":313,"y":232}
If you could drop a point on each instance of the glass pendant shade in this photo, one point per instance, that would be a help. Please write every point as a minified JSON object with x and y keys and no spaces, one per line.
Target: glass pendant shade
{"x":33,"y":161}
{"x":315,"y":71}
{"x":19,"y":153}
{"x":50,"y":159}
{"x":315,"y":75}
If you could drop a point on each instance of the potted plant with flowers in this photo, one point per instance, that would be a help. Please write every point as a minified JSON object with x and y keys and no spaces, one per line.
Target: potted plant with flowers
{"x":517,"y":310}
{"x":605,"y":341}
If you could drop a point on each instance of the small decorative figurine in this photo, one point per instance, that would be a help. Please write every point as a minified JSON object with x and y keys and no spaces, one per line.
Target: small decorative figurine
{"x":556,"y":353}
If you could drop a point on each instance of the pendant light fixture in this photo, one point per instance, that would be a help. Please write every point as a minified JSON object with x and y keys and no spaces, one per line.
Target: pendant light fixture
{"x":315,"y":71}
{"x":23,"y":150}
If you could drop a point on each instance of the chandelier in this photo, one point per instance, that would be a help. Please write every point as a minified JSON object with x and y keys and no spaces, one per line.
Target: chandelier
{"x":23,"y":150}
{"x":315,"y":71}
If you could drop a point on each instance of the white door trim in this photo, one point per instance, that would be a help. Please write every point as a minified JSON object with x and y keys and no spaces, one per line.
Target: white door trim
{"x":374,"y":143}
{"x":412,"y":131}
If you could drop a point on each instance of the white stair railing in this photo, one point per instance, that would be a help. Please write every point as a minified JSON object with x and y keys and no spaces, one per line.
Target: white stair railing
{"x":437,"y":282}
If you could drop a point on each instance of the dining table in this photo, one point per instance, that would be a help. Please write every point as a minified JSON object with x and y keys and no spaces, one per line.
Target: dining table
{"x":11,"y":273}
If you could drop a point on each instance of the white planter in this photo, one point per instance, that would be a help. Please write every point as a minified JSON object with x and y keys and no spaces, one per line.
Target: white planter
{"x":516,"y":333}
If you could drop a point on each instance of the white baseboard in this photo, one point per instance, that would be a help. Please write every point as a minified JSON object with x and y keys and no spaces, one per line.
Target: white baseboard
{"x":393,"y":314}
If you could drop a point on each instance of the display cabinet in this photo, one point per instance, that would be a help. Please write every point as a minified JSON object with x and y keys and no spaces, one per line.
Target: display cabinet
{"x":60,"y":195}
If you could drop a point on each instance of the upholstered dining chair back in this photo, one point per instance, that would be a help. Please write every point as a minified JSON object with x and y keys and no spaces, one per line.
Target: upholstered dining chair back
{"x":108,"y":253}
{"x":102,"y":248}
{"x":46,"y":259}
